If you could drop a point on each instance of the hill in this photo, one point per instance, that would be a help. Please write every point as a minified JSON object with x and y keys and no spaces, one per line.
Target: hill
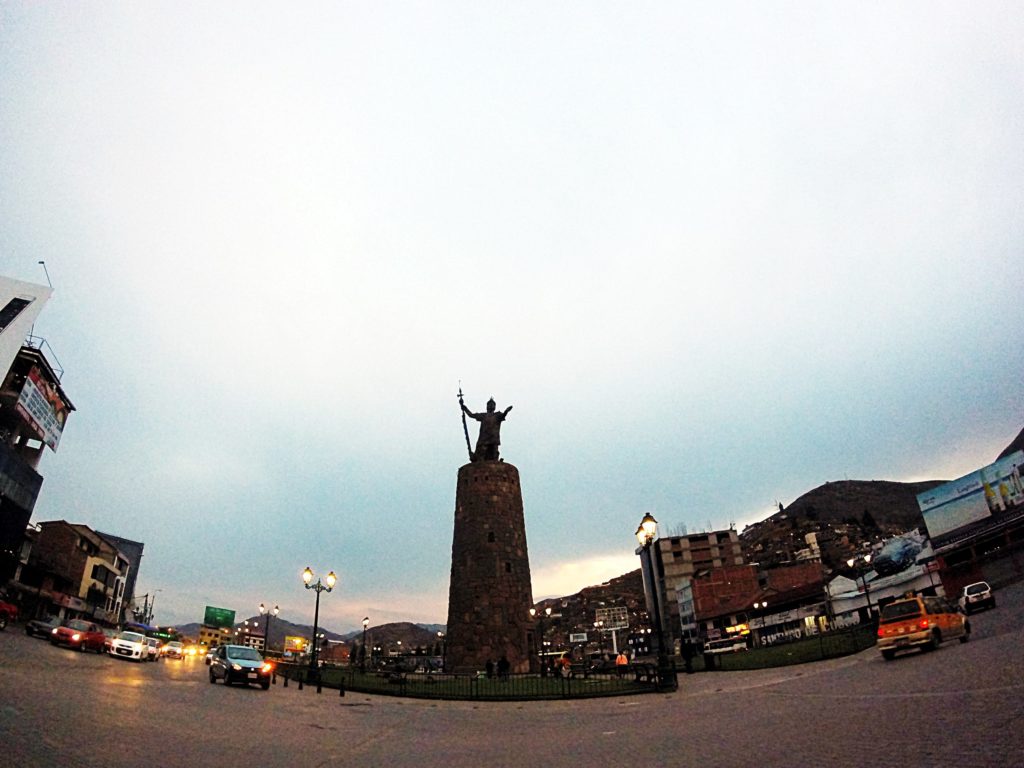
{"x":386,"y":635}
{"x":845,"y":516}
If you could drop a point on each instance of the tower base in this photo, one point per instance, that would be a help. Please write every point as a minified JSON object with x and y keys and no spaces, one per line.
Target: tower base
{"x":490,"y":594}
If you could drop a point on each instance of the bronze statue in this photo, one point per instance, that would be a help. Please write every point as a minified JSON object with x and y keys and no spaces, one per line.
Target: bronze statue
{"x":489,"y":439}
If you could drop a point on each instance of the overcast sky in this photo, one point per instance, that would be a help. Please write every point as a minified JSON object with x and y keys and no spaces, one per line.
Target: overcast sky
{"x":714,"y":254}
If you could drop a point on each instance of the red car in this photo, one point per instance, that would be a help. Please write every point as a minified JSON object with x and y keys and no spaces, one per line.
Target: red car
{"x":8,"y":613}
{"x":81,"y":635}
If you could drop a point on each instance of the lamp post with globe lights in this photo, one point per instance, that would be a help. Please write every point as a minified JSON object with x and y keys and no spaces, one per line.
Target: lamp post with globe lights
{"x":646,"y":533}
{"x":366,"y":623}
{"x":318,"y":587}
{"x":762,"y":606}
{"x":862,"y":563}
{"x":271,"y":613}
{"x":539,"y":615}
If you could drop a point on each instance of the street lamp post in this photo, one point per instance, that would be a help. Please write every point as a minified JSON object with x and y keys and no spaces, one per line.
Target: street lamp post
{"x":271,"y":613}
{"x":762,"y":606}
{"x":444,"y":651}
{"x":366,"y":623}
{"x":862,"y":575}
{"x":307,"y":578}
{"x":646,"y":534}
{"x":539,"y":615}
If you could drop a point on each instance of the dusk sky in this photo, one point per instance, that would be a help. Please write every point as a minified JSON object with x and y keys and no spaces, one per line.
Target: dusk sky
{"x":714,"y":254}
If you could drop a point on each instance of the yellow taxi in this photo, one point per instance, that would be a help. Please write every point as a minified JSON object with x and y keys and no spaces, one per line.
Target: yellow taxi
{"x":913,"y":621}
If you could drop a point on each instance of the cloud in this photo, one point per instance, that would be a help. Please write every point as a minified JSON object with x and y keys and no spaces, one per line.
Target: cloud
{"x":569,"y":577}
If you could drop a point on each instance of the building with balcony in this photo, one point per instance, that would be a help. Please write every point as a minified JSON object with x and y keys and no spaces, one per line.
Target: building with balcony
{"x":33,"y":412}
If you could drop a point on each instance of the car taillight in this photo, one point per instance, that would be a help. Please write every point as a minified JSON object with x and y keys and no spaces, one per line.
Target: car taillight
{"x":881,"y":632}
{"x":923,"y":624}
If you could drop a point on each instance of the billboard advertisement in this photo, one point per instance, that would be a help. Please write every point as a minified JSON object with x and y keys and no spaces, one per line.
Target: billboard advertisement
{"x":989,"y":491}
{"x":41,"y":405}
{"x":218,"y":617}
{"x":293,"y":644}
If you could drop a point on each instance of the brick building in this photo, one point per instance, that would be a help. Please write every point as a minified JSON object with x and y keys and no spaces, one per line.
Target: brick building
{"x":783,"y":602}
{"x":73,"y":571}
{"x":678,"y":558}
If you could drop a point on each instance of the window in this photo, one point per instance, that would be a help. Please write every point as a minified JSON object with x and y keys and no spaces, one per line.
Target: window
{"x":11,"y":311}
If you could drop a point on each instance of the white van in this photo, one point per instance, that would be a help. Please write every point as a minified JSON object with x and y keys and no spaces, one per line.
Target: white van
{"x":725,"y":645}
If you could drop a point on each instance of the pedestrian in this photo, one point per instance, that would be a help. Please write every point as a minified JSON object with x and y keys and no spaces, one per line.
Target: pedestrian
{"x":490,"y":669}
{"x":621,"y":662}
{"x":503,"y":667}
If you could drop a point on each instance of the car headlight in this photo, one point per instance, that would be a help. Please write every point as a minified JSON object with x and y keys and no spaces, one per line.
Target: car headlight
{"x":76,"y":637}
{"x":267,"y":668}
{"x":54,"y":632}
{"x":236,"y":667}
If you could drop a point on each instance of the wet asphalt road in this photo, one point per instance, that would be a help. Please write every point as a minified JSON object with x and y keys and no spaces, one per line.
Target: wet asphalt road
{"x":962,"y":704}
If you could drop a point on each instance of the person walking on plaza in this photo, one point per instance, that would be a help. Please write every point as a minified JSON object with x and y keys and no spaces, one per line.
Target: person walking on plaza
{"x":503,"y":667}
{"x":621,"y":662}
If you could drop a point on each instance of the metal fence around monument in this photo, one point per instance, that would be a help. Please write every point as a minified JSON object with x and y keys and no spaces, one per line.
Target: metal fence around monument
{"x":436,"y":685}
{"x":634,"y":679}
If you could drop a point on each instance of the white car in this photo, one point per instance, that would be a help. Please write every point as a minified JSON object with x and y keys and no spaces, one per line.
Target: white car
{"x":154,"y":648}
{"x":174,"y":650}
{"x":130,"y":645}
{"x":975,"y":596}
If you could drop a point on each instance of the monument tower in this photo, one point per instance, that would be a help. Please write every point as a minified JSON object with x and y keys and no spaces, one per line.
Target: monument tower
{"x":489,"y":596}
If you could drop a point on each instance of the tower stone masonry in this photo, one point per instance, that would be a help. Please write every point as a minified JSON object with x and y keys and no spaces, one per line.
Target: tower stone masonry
{"x":490,"y":594}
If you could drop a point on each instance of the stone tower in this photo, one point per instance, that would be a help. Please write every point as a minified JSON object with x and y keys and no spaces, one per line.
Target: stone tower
{"x":490,"y":594}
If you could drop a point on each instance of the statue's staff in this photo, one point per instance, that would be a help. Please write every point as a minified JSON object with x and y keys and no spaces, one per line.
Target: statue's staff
{"x":465,"y":429}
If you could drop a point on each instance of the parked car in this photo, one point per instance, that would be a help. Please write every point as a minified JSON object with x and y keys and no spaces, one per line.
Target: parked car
{"x":79,"y":634}
{"x":130,"y":645}
{"x":8,"y":613}
{"x":975,"y":596}
{"x":240,"y":664}
{"x":42,"y":627}
{"x":919,"y":622}
{"x":174,"y":650}
{"x":153,"y":651}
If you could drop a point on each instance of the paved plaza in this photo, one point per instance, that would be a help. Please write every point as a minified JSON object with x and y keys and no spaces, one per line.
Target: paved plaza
{"x":963,"y":703}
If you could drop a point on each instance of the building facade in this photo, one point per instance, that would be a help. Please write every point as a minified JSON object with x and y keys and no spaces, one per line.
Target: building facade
{"x":679,"y":558}
{"x":33,"y":412}
{"x":72,"y":571}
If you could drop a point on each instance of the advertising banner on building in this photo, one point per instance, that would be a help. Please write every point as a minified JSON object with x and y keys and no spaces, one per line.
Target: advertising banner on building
{"x":218,"y":617}
{"x":43,"y":408}
{"x":991,"y":490}
{"x":294,"y":644}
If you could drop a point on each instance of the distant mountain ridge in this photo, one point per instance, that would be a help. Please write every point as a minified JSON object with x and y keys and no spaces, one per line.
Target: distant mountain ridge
{"x":411,"y":635}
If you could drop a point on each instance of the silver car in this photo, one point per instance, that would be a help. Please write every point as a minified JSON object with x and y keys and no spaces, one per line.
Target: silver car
{"x":240,"y":664}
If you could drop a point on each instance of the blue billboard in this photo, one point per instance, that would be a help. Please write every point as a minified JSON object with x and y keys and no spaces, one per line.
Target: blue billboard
{"x":992,"y":490}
